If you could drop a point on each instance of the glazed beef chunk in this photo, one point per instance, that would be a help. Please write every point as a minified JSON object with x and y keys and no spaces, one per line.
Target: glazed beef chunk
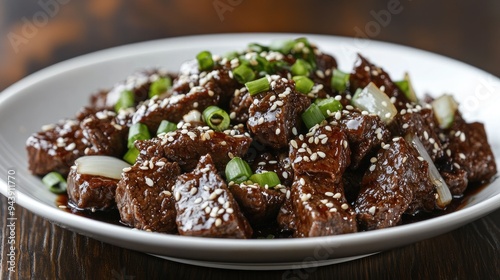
{"x":260,"y":205}
{"x":187,"y":145}
{"x":395,"y":184}
{"x":239,"y":105}
{"x":55,"y":148}
{"x":365,"y":133}
{"x":205,"y":206}
{"x":318,"y":206}
{"x":365,"y":72}
{"x":144,"y":195}
{"x":420,"y":122}
{"x":275,"y":115}
{"x":91,"y":192}
{"x":470,"y":151}
{"x":104,"y":135}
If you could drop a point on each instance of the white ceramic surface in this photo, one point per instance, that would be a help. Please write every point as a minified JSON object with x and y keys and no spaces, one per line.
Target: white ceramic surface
{"x":60,"y":90}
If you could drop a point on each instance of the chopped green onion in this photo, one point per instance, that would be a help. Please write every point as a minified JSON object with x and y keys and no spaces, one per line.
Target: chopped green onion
{"x":312,"y":116}
{"x":340,"y":80}
{"x":258,"y":86}
{"x":131,"y":155}
{"x":237,"y":170}
{"x":258,"y":48}
{"x":205,"y":60}
{"x":301,"y":68}
{"x":165,"y":127}
{"x":373,"y":100}
{"x":284,"y":46}
{"x":216,"y":118}
{"x":55,"y":182}
{"x":328,"y":106}
{"x":444,"y":109}
{"x":126,"y":100}
{"x":264,"y":66}
{"x":160,"y":86}
{"x":303,"y":84}
{"x":231,"y":55}
{"x":268,"y":178}
{"x":243,"y":74}
{"x":137,"y":131}
{"x":443,"y":196}
{"x":406,"y":86}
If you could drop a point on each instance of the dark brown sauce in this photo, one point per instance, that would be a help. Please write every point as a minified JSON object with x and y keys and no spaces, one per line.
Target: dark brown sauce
{"x":113,"y":216}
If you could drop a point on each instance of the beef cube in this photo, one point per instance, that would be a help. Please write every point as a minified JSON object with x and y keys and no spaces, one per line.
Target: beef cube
{"x":239,"y":105}
{"x":103,"y":135}
{"x":469,"y":150}
{"x":320,"y":207}
{"x":260,"y":205}
{"x":286,"y":216}
{"x":55,"y":148}
{"x":91,"y":192}
{"x":280,"y":164}
{"x":144,"y":195}
{"x":173,"y":108}
{"x":323,"y":75}
{"x":365,"y":72}
{"x":364,"y":133}
{"x":139,"y":83}
{"x":205,"y":206}
{"x":275,"y":115}
{"x":396,"y":183}
{"x":187,"y":145}
{"x":324,"y":151}
{"x":419,"y":122}
{"x":456,"y":181}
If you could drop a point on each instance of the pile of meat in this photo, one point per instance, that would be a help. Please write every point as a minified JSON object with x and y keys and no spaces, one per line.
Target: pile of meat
{"x":351,"y":173}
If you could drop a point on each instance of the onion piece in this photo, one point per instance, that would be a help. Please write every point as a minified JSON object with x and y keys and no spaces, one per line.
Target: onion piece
{"x":443,"y":192}
{"x":407,"y":87}
{"x":445,"y":108}
{"x":373,"y":100}
{"x":104,"y":166}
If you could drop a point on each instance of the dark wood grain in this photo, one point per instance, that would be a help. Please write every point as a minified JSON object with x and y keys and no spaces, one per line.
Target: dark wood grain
{"x":464,"y":30}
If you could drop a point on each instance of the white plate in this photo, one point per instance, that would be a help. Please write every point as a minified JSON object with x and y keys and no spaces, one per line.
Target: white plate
{"x":60,"y":90}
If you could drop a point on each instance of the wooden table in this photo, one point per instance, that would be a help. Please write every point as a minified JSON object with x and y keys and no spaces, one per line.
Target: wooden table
{"x":464,"y":30}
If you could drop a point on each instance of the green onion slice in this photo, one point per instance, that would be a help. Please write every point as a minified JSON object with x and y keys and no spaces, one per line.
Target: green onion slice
{"x":55,"y":182}
{"x":131,"y":155}
{"x":205,"y":60}
{"x":160,"y":86}
{"x":137,"y":131}
{"x":165,"y":127}
{"x":125,"y":101}
{"x":301,"y":68}
{"x":268,"y":178}
{"x":444,"y":108}
{"x":328,"y":106}
{"x":243,"y":74}
{"x":258,"y":48}
{"x":284,"y":46}
{"x":238,"y":170}
{"x":340,"y":80}
{"x":373,"y":100}
{"x":312,"y":116}
{"x":406,"y":86}
{"x":303,"y":84}
{"x":216,"y":118}
{"x":258,"y":86}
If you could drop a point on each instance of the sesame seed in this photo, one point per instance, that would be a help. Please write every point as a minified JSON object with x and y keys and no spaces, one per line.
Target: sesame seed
{"x":349,"y":107}
{"x":337,"y":195}
{"x":386,"y":146}
{"x":321,"y":154}
{"x":167,"y":193}
{"x":221,"y":200}
{"x":212,"y":196}
{"x":333,"y":210}
{"x":448,"y":152}
{"x":127,"y":169}
{"x":372,"y":210}
{"x":373,"y":160}
{"x":329,"y":205}
{"x":388,"y":115}
{"x":405,"y":159}
{"x":229,"y":210}
{"x":218,"y":222}
{"x":284,"y":175}
{"x":302,"y":181}
{"x":420,"y":158}
{"x":218,"y":191}
{"x":462,"y":156}
{"x":372,"y":167}
{"x":345,"y":144}
{"x":338,"y":115}
{"x":294,"y":143}
{"x":278,"y":131}
{"x":71,"y":147}
{"x":294,"y":131}
{"x":462,"y":137}
{"x":287,"y":194}
{"x":426,"y":135}
{"x":198,"y":200}
{"x":456,"y":165}
{"x":208,"y":209}
{"x":329,"y":194}
{"x":177,"y":196}
{"x":344,"y":206}
{"x":193,"y":190}
{"x":149,"y":182}
{"x":160,"y":163}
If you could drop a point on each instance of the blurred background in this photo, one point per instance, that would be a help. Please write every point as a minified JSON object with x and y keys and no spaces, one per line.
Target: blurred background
{"x":36,"y":34}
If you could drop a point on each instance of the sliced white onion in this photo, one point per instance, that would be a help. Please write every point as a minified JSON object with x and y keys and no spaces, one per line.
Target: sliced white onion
{"x":373,"y":100}
{"x":104,"y":166}
{"x":444,"y":196}
{"x":445,"y":108}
